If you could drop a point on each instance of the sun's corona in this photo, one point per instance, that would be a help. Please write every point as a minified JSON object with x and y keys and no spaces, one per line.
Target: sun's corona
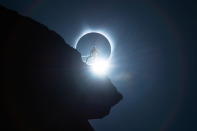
{"x":99,"y":66}
{"x":106,"y":35}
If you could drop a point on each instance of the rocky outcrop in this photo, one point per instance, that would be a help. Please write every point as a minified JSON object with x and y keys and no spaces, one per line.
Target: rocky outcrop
{"x":45,"y":83}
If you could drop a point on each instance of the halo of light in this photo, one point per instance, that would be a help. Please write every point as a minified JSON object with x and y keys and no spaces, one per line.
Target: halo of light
{"x":100,"y":67}
{"x":106,"y":35}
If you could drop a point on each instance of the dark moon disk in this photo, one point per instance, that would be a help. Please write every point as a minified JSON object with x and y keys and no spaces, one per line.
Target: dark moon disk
{"x":90,"y":40}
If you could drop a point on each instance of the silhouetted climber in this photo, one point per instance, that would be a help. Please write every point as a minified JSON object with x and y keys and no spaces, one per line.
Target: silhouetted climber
{"x":46,"y":86}
{"x":93,"y":54}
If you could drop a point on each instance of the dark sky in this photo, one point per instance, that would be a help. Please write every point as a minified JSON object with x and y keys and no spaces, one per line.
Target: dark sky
{"x":153,"y":59}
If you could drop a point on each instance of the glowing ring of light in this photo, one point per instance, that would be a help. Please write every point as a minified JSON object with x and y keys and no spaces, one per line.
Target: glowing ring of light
{"x":107,"y":36}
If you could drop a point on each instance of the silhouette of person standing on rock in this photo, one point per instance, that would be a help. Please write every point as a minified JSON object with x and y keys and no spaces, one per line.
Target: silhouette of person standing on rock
{"x":93,"y":55}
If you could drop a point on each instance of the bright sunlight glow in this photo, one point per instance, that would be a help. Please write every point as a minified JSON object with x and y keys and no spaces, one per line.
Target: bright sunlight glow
{"x":100,"y":66}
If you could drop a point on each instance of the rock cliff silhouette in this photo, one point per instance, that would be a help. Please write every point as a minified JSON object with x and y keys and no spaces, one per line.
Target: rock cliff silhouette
{"x":45,"y":83}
